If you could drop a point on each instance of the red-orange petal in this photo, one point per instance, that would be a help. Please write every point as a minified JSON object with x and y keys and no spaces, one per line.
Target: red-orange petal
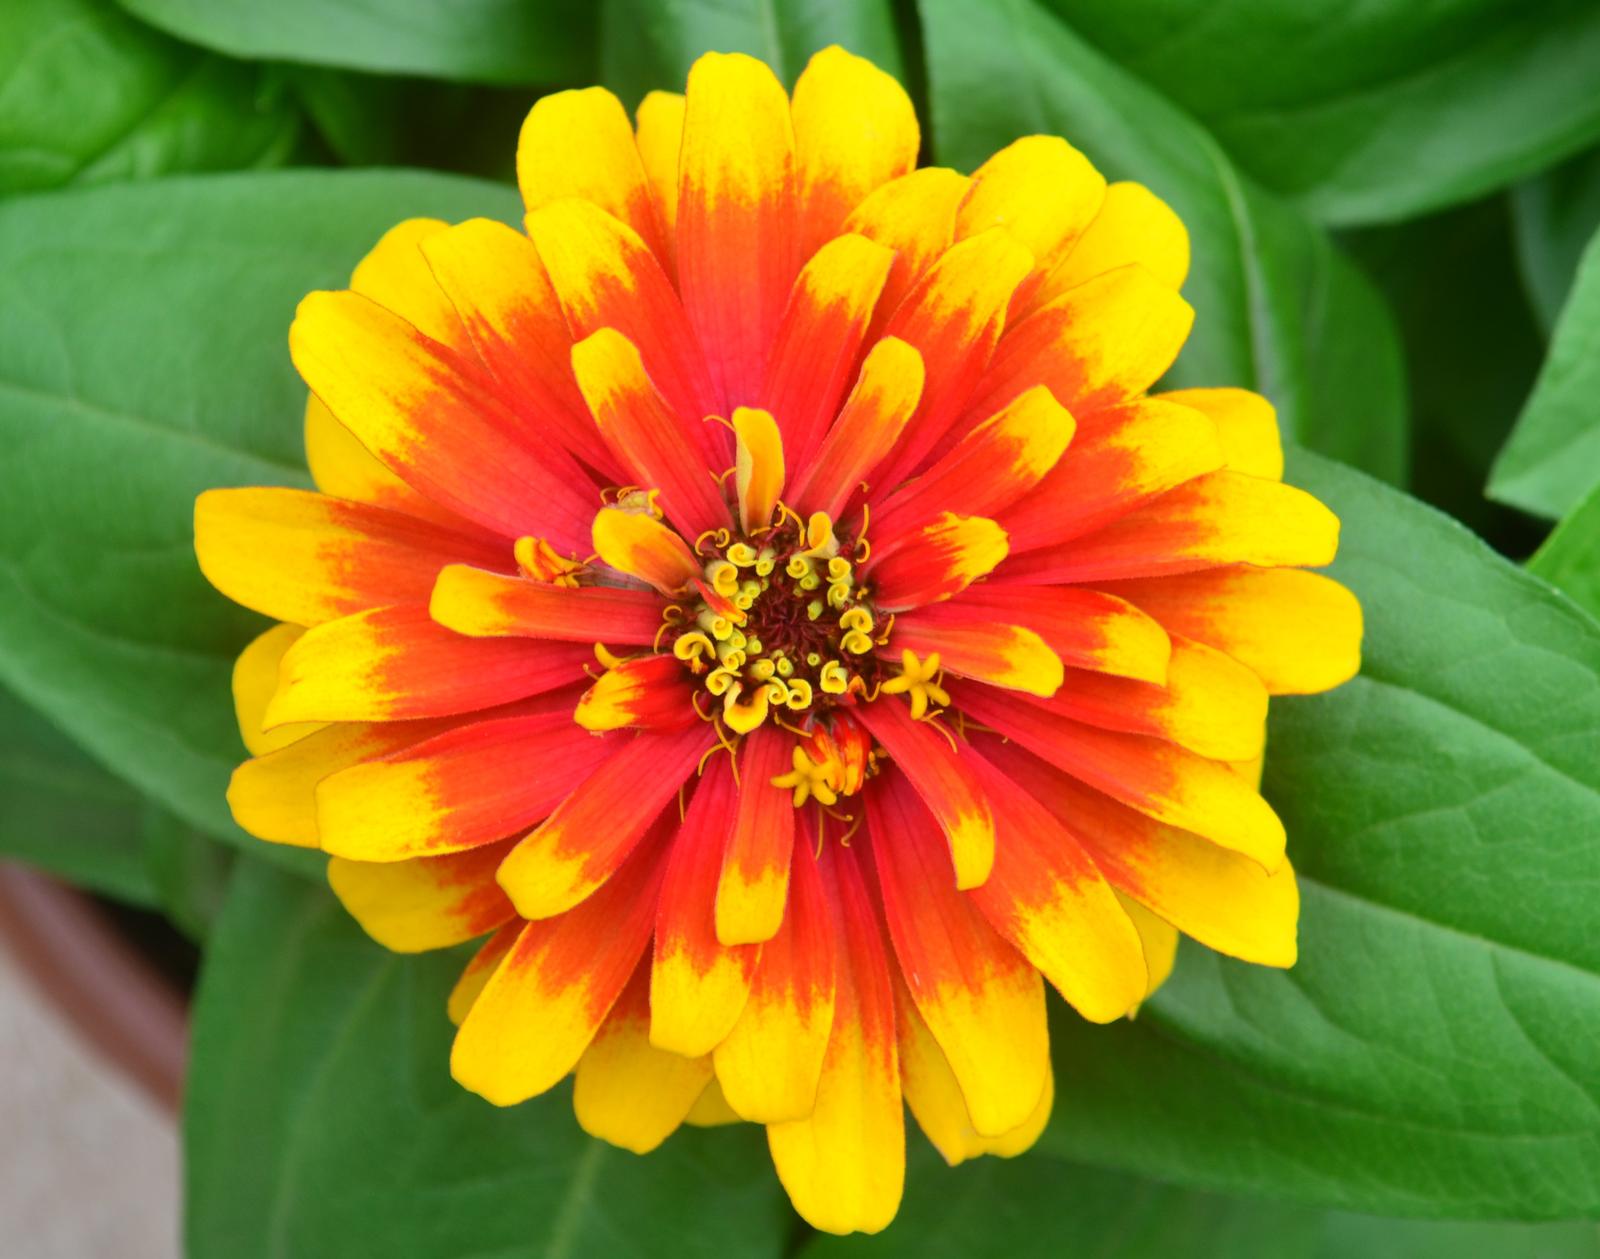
{"x":484,"y":605}
{"x":934,"y":562}
{"x":755,"y":867}
{"x":644,"y":693}
{"x":973,"y":645}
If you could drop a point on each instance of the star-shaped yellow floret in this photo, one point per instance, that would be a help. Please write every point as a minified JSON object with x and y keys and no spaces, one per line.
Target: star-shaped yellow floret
{"x":808,"y":779}
{"x":920,"y":680}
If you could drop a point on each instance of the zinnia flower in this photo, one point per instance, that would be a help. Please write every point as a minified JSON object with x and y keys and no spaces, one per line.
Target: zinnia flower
{"x":765,"y":602}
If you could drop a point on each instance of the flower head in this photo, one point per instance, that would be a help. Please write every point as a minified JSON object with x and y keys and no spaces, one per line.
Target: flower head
{"x":765,"y":602}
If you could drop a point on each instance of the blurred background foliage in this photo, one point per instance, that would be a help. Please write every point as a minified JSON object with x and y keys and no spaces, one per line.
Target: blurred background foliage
{"x":1394,"y":211}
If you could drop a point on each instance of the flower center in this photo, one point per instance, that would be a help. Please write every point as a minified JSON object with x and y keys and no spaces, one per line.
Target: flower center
{"x":780,"y":622}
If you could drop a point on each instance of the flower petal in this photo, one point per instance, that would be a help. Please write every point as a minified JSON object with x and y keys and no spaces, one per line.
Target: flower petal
{"x":844,"y":1163}
{"x":390,"y":664}
{"x":578,"y":143}
{"x":1247,"y":427}
{"x":983,"y":1001}
{"x":758,"y":467}
{"x":915,"y":216}
{"x":770,"y":1062}
{"x":546,"y":1000}
{"x":645,"y":692}
{"x":484,"y":605}
{"x":1133,"y":225}
{"x":628,"y":1091}
{"x":1085,"y":628}
{"x":396,"y":276}
{"x":425,"y":903}
{"x":255,"y":680}
{"x":641,"y":546}
{"x":818,"y":344}
{"x":944,"y":780}
{"x":1159,"y":940}
{"x":755,"y":867}
{"x":1300,"y":632}
{"x":306,"y":558}
{"x":578,"y":847}
{"x":855,"y":129}
{"x":475,"y":784}
{"x":423,"y":411}
{"x":974,"y":645}
{"x":941,"y":559}
{"x":660,"y":139}
{"x":1159,"y":779}
{"x":647,"y":437}
{"x":476,"y":973}
{"x":738,"y":235}
{"x":698,"y":986}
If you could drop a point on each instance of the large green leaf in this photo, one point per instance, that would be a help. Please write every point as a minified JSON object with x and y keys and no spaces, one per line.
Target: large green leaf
{"x":482,"y":41}
{"x":1570,"y":556}
{"x":1433,"y":1051}
{"x":1043,"y":1208}
{"x":1553,"y":457}
{"x":1374,"y":111}
{"x":87,"y":95}
{"x":650,"y":44}
{"x":1556,"y":214}
{"x":322,"y":1120}
{"x":1277,"y":307}
{"x":145,"y":360}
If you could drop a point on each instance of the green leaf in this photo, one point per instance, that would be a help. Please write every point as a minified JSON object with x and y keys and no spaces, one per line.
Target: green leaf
{"x":145,"y":360}
{"x":1553,"y":457}
{"x":481,"y":41}
{"x":189,"y":870}
{"x":322,"y":1120}
{"x":1556,"y":214}
{"x":1278,"y":309}
{"x":1043,"y":1208}
{"x":650,"y":44}
{"x":1432,"y":1053}
{"x":61,"y":812}
{"x":88,"y":96}
{"x":1369,"y":112}
{"x":1570,"y":557}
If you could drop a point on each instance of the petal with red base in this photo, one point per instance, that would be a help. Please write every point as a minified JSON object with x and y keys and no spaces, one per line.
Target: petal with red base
{"x":650,"y":440}
{"x":1299,"y":632}
{"x":738,"y":234}
{"x":944,"y":780}
{"x":1120,"y":457}
{"x":982,"y":999}
{"x":437,"y":423}
{"x":476,"y":973}
{"x":1047,"y":897}
{"x":644,"y":692}
{"x":425,"y":903}
{"x":915,"y":216}
{"x":486,"y":605}
{"x":698,"y":985}
{"x":755,"y":866}
{"x":606,"y":277}
{"x":770,"y":1062}
{"x":936,"y":561}
{"x":879,"y":407}
{"x":1085,"y":628}
{"x":1159,"y":779}
{"x":472,"y":785}
{"x":1209,"y":703}
{"x":578,"y":847}
{"x":390,"y":664}
{"x":494,"y":275}
{"x":1104,"y":342}
{"x":578,"y":143}
{"x":972,"y":644}
{"x":855,"y":129}
{"x":1221,"y":518}
{"x":544,"y":1003}
{"x":659,"y":136}
{"x":844,"y":1163}
{"x":306,"y":558}
{"x":1133,"y":225}
{"x":988,"y":470}
{"x":817,"y":346}
{"x":1247,"y":427}
{"x":1224,"y":900}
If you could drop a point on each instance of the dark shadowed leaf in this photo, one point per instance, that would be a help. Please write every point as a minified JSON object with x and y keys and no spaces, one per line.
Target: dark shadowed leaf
{"x":1556,"y":214}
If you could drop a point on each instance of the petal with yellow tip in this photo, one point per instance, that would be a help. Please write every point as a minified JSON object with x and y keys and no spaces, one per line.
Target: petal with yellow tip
{"x":255,"y":680}
{"x":641,"y":546}
{"x":758,"y":467}
{"x":937,"y":561}
{"x":425,"y":903}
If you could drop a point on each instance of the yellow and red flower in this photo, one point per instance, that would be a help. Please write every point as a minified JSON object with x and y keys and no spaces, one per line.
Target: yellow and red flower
{"x":764,"y":601}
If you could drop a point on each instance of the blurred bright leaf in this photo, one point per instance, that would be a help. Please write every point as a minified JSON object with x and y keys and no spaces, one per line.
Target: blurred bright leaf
{"x":1432,"y":1053}
{"x":1556,"y":214}
{"x":1278,"y":309}
{"x":322,"y":1120}
{"x":88,"y":95}
{"x":650,"y":44}
{"x":1553,"y":457}
{"x":1374,"y":111}
{"x":146,"y":360}
{"x":1570,"y":557}
{"x":482,"y":41}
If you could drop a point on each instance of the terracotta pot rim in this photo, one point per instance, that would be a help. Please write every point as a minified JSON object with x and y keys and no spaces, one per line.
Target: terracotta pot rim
{"x":86,"y":969}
